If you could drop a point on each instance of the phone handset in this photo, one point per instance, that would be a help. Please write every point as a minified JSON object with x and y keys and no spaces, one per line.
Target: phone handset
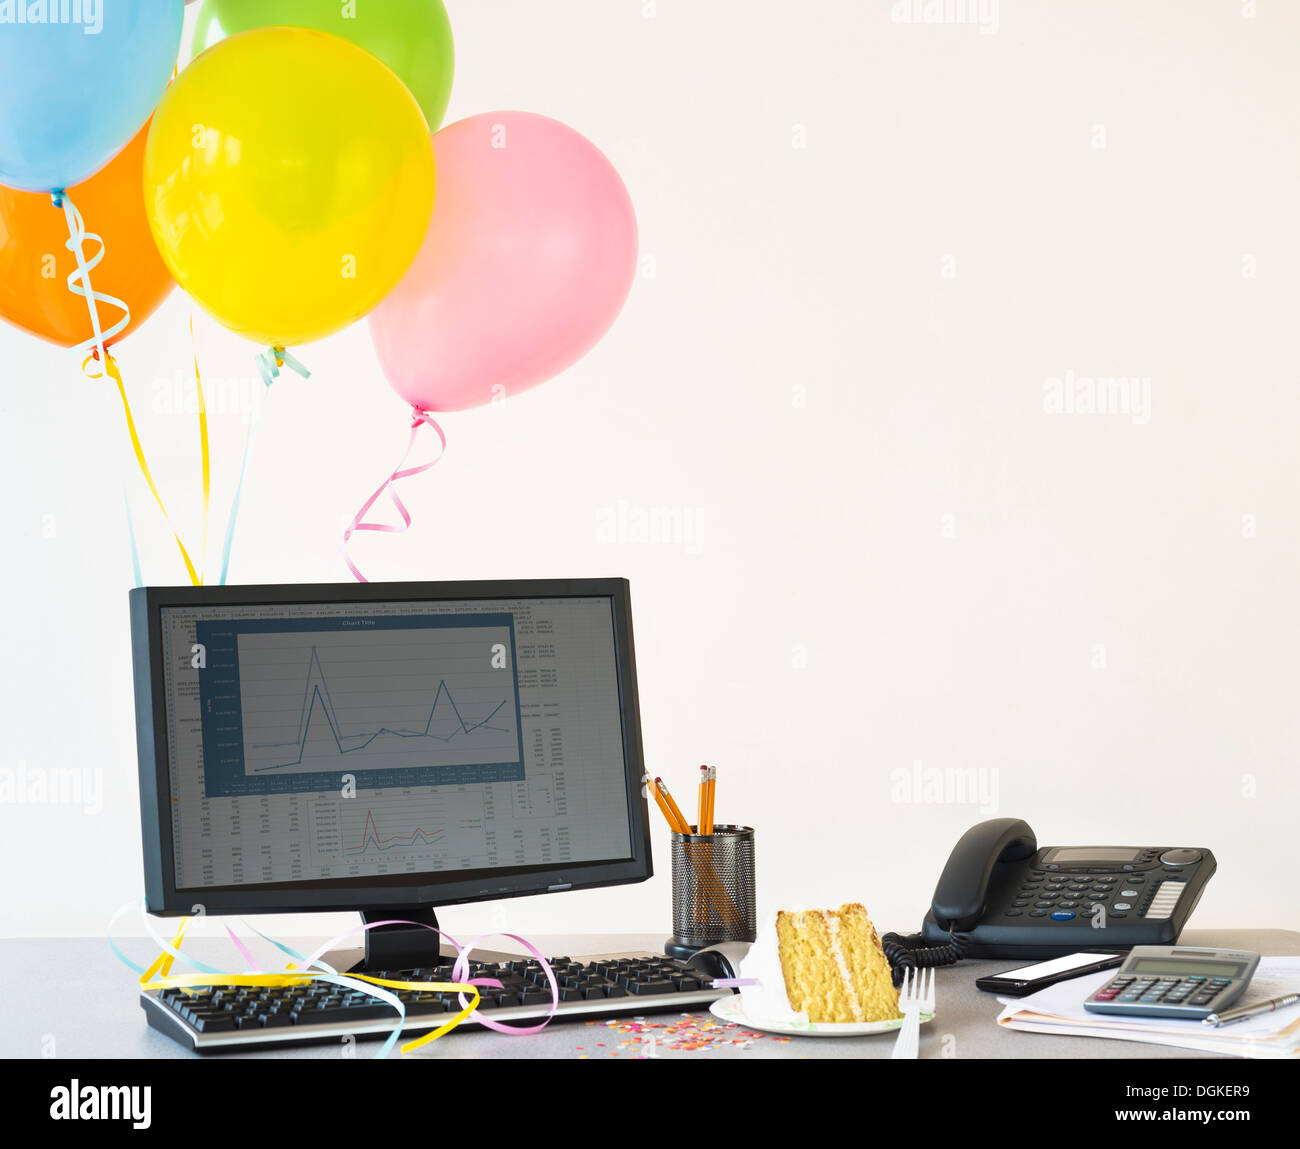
{"x":960,"y":897}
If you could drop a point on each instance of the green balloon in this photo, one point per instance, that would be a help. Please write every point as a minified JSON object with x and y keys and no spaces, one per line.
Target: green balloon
{"x":413,"y":37}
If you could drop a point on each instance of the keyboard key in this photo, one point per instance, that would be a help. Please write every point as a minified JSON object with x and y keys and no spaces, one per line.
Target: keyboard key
{"x":216,"y":1023}
{"x":643,"y":988}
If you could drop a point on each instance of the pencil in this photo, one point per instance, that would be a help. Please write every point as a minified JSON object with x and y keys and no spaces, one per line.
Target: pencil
{"x":710,"y":785}
{"x":704,"y":800}
{"x":663,"y":806}
{"x":683,"y":826}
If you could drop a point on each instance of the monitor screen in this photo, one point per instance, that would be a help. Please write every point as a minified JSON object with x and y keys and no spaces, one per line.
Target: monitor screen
{"x":359,"y":740}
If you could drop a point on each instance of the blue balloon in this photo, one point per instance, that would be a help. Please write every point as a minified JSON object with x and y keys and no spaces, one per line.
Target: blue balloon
{"x":78,"y":79}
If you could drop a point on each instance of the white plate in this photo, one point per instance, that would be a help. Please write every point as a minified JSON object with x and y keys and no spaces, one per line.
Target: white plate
{"x":732,"y":1008}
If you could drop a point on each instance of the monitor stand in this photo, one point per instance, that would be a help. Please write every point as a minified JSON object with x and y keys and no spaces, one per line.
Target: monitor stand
{"x":404,"y":947}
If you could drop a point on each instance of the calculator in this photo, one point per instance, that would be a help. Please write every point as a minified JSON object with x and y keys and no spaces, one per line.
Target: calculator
{"x":1175,"y":981}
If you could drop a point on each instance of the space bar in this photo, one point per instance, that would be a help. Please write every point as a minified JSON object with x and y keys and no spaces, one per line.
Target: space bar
{"x":355,"y":1013}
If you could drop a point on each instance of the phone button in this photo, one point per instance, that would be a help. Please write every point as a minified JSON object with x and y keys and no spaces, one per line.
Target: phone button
{"x":1062,"y":915}
{"x":1180,"y":857}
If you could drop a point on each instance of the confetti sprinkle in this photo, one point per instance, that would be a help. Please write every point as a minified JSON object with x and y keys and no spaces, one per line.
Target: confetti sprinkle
{"x":690,"y":1033}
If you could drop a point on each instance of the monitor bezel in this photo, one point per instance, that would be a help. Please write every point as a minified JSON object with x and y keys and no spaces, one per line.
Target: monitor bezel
{"x":459,"y":887}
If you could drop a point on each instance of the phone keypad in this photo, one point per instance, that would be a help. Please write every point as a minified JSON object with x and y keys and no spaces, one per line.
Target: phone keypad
{"x":1066,"y":896}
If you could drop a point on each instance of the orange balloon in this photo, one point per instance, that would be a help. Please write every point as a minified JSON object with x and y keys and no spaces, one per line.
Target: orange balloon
{"x":35,"y":262}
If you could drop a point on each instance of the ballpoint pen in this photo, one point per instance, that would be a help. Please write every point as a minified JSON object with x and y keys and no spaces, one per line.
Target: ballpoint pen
{"x":1241,"y":1012}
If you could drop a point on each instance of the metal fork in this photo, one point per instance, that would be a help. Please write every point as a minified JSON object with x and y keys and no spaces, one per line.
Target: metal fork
{"x":914,"y":998}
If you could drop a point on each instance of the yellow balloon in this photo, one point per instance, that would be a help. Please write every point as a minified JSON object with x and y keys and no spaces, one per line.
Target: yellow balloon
{"x":289,"y":182}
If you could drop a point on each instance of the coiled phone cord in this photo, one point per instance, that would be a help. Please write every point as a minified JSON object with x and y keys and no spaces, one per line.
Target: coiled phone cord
{"x":908,"y":951}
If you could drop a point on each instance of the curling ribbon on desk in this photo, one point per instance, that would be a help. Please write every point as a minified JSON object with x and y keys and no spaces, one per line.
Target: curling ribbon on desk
{"x":418,"y":419}
{"x":312,"y":968}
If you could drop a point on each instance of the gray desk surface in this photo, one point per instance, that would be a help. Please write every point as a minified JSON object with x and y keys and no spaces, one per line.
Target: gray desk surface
{"x":70,"y":997}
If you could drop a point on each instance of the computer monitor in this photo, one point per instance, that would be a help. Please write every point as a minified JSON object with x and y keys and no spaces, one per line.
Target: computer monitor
{"x":386,"y":748}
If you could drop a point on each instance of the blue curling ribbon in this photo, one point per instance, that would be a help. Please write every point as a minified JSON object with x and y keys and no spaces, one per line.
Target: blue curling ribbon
{"x":234,"y":504}
{"x":272,"y":359}
{"x":79,"y":281}
{"x":130,"y":534}
{"x":269,"y":363}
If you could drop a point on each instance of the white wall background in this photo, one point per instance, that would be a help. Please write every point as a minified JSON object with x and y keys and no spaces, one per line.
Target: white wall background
{"x":953,"y":561}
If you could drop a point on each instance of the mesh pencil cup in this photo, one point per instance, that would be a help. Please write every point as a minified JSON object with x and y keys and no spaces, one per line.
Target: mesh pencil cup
{"x":713,"y":889}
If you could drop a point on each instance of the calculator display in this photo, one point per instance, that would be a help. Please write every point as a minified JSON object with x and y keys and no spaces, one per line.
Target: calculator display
{"x":1183,"y":968}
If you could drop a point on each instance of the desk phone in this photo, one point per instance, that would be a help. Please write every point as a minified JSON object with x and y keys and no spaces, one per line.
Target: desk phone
{"x":1175,"y":981}
{"x":1002,"y":895}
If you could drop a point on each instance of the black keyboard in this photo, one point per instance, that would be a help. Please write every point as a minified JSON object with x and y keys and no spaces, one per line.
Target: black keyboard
{"x":217,"y":1019}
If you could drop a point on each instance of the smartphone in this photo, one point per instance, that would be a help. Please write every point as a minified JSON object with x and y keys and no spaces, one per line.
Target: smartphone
{"x":1028,"y":979}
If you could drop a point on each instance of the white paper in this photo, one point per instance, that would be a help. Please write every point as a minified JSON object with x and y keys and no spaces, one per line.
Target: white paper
{"x":1063,"y":1003}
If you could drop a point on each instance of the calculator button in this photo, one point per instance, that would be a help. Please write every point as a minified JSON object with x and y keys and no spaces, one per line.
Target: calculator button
{"x":1038,"y":913}
{"x":1128,"y":893}
{"x":1015,"y":913}
{"x":1062,"y":915}
{"x":1121,"y":906}
{"x":1045,"y":905}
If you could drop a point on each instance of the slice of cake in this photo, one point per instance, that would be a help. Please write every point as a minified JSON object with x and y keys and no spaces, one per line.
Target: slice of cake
{"x":833,"y":966}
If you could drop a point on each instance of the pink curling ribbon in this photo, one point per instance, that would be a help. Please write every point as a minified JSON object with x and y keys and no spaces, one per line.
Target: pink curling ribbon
{"x":462,"y":968}
{"x":243,"y":951}
{"x":418,"y":419}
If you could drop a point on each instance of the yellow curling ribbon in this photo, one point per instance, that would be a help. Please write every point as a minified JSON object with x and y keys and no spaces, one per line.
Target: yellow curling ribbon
{"x":112,"y":370}
{"x":159,"y":976}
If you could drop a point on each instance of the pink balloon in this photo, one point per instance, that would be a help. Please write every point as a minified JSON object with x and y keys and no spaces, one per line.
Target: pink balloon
{"x":529,"y":258}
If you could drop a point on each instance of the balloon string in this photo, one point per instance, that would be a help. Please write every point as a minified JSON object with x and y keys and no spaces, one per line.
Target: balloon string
{"x":269,"y":363}
{"x":418,"y":419}
{"x":130,"y":534}
{"x":79,"y":282}
{"x":111,"y":369}
{"x":203,"y":448}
